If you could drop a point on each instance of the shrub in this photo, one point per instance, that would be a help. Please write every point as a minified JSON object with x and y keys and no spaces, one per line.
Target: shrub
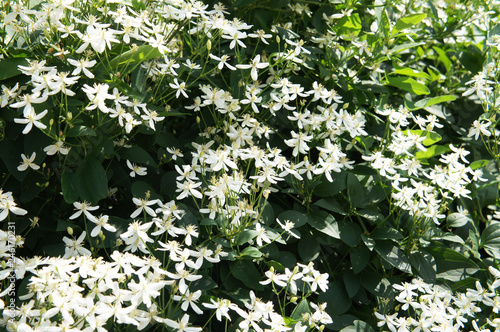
{"x":249,"y":165}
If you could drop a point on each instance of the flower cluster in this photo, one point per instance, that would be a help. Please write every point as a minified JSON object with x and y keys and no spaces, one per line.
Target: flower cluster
{"x":427,"y":307}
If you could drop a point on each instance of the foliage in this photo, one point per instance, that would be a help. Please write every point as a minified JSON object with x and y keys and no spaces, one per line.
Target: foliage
{"x":249,"y":165}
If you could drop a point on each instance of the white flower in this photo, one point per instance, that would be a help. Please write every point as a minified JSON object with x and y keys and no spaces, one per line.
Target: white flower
{"x":28,"y":162}
{"x":84,"y":208}
{"x":287,"y":227}
{"x":478,"y":128}
{"x":82,"y":65}
{"x":182,"y":325}
{"x":31,"y":118}
{"x":136,"y":169}
{"x":57,"y":147}
{"x":180,"y":87}
{"x":254,"y":65}
{"x":102,"y":222}
{"x":75,"y":247}
{"x":141,"y":205}
{"x":222,"y":61}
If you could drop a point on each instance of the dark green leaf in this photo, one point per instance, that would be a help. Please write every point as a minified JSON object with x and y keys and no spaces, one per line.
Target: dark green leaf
{"x":424,"y":264}
{"x":358,"y":326}
{"x":79,"y":130}
{"x":355,"y":190}
{"x":331,"y":204}
{"x":139,"y":189}
{"x":351,"y":282}
{"x":386,"y":233}
{"x":349,"y":232}
{"x":457,"y":219}
{"x":299,"y":219}
{"x":8,"y":67}
{"x":69,"y":188}
{"x":91,"y":181}
{"x":246,"y":272}
{"x":240,"y":3}
{"x":325,"y":223}
{"x":301,"y":309}
{"x":137,"y":155}
{"x":246,"y":236}
{"x":490,"y":240}
{"x":360,"y":256}
{"x":308,"y":248}
{"x":250,"y":253}
{"x":338,"y":302}
{"x":390,"y":253}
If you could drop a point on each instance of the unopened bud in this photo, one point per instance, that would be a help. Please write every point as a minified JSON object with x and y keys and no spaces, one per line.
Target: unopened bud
{"x":70,"y":230}
{"x":278,"y":39}
{"x":209,"y":45}
{"x":198,"y":120}
{"x":70,"y":116}
{"x":51,"y":122}
{"x":345,"y":106}
{"x":294,"y":299}
{"x":321,"y":328}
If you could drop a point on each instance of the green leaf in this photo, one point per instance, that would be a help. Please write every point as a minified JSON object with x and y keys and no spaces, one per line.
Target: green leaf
{"x":241,"y":3}
{"x":351,"y":282}
{"x":349,"y":24}
{"x":360,"y":256}
{"x":299,"y":219}
{"x":246,"y":236}
{"x":325,"y":223}
{"x":8,"y":67}
{"x":132,"y":57}
{"x":407,"y":22}
{"x":69,"y":188}
{"x":432,"y":151}
{"x":91,"y":181}
{"x":140,"y":188}
{"x":457,"y":219}
{"x":336,"y":297}
{"x":430,"y":137}
{"x":408,"y":84}
{"x":331,"y":204}
{"x":443,"y":58}
{"x":308,"y":248}
{"x":479,"y":164}
{"x":390,"y":253}
{"x":355,"y":190}
{"x":490,"y":240}
{"x":349,"y":233}
{"x":246,"y":272}
{"x":425,"y":265}
{"x":411,"y":72}
{"x":427,"y":102}
{"x":329,"y":189}
{"x":399,"y":48}
{"x":386,"y":233}
{"x":79,"y":130}
{"x":358,"y":326}
{"x":452,"y":265}
{"x":250,"y":253}
{"x":137,"y":155}
{"x":300,"y":310}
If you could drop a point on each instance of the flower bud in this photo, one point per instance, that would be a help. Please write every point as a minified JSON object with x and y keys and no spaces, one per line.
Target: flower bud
{"x":70,"y":230}
{"x":209,"y":45}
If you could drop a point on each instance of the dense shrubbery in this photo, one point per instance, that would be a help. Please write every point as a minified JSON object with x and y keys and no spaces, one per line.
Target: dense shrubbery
{"x":249,"y":165}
